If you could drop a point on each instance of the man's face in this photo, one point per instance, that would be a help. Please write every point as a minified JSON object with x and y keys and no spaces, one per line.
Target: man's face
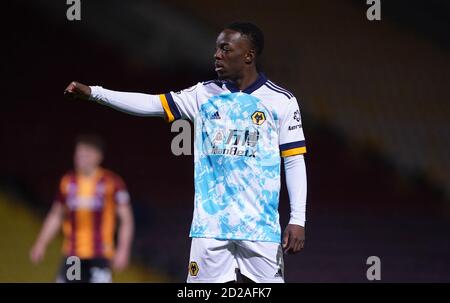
{"x":233,"y":53}
{"x":86,"y":158}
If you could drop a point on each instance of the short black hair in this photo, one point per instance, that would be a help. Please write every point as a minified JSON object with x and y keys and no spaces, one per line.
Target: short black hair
{"x":252,"y":32}
{"x":91,"y":140}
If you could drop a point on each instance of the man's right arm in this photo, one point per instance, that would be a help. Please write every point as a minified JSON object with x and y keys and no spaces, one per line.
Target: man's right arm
{"x":131,"y":103}
{"x":49,"y":230}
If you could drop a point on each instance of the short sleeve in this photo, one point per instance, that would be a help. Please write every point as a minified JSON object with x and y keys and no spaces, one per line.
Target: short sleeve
{"x":121,"y":195}
{"x":292,"y":139}
{"x":181,"y":104}
{"x":63,"y":187}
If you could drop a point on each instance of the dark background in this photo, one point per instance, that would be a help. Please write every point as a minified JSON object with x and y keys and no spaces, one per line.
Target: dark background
{"x":374,"y":98}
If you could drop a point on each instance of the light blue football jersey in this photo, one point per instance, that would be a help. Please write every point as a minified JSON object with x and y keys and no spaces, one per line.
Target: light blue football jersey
{"x":240,"y":137}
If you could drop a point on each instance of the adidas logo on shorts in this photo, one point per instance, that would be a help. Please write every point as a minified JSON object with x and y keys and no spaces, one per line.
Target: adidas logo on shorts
{"x":278,"y":274}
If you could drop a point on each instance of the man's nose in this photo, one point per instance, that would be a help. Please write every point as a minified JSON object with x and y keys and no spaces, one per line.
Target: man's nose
{"x":218,"y":54}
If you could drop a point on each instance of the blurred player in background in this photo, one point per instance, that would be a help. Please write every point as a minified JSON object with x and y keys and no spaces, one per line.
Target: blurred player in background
{"x":244,"y":122}
{"x":86,"y":205}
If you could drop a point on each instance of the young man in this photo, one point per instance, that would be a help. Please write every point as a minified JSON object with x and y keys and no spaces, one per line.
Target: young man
{"x":86,"y":204}
{"x":243,"y":122}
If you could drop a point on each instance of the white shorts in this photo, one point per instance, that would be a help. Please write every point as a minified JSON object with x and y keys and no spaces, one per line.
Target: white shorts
{"x":216,"y":261}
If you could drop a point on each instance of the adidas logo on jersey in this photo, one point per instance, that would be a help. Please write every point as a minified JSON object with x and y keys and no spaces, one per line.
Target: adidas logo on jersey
{"x":278,"y":274}
{"x":215,"y":115}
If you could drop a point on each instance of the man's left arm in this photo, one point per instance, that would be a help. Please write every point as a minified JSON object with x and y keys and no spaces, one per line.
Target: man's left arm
{"x":294,"y":234}
{"x":292,"y":148}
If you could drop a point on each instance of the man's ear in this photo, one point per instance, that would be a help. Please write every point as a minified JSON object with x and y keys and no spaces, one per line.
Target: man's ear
{"x":250,"y":56}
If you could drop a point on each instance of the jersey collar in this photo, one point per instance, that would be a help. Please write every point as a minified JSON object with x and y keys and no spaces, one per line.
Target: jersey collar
{"x":254,"y":86}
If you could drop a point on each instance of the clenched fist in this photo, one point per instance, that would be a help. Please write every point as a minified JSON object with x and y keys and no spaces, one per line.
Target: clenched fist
{"x":77,"y":90}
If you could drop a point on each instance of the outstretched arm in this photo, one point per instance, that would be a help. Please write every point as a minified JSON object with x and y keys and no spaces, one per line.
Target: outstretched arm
{"x":131,"y":103}
{"x":294,"y":234}
{"x":50,"y":228}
